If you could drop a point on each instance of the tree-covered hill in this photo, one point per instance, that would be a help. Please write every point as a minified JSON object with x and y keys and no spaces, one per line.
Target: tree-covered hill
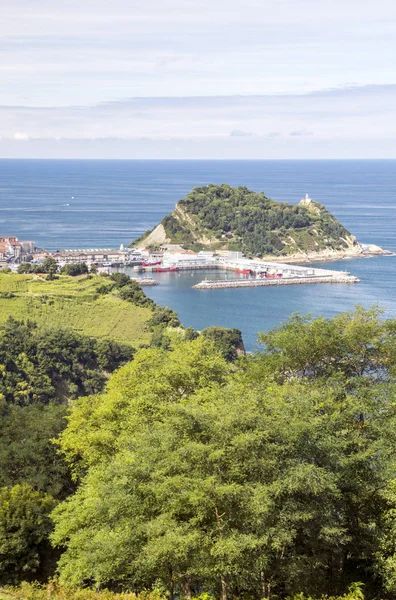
{"x":222,"y":217}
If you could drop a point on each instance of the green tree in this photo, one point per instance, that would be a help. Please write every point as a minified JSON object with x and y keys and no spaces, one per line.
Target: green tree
{"x":40,"y":366}
{"x":24,"y":529}
{"x":49,"y":266}
{"x":24,"y":268}
{"x":27,"y":454}
{"x":228,"y":341}
{"x":74,"y":269}
{"x":163,"y":316}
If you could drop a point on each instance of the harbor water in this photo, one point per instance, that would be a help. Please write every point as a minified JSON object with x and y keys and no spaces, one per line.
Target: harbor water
{"x":97,"y":204}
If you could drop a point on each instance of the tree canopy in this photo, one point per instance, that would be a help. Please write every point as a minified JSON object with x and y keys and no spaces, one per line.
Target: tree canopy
{"x":273,"y":478}
{"x":41,"y":365}
{"x":220,"y":216}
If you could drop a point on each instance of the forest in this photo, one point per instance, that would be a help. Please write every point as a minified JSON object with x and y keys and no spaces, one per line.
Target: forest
{"x":192,"y":471}
{"x":223,"y":217}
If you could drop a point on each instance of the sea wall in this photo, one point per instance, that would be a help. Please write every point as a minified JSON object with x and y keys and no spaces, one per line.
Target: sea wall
{"x":241,"y":283}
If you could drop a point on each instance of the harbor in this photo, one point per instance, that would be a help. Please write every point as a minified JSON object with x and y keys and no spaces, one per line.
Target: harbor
{"x":251,"y":272}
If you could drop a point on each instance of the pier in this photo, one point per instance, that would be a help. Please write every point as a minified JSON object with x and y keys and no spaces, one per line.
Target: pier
{"x":145,"y":281}
{"x":242,"y":283}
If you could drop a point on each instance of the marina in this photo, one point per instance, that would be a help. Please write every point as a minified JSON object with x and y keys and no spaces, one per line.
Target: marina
{"x":254,"y":272}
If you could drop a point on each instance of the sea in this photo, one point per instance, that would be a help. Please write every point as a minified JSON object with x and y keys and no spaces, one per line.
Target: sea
{"x":105,"y":203}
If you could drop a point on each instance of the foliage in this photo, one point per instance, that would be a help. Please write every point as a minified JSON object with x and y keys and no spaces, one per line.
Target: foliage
{"x":357,"y":346}
{"x":239,"y":219}
{"x":133,"y":293}
{"x":24,"y":529}
{"x":135,"y":393}
{"x":49,"y":266}
{"x":75,"y":269}
{"x":54,"y":591}
{"x":27,"y":454}
{"x":355,"y":592}
{"x":249,"y":483}
{"x":31,"y":268}
{"x":39,"y":370}
{"x":25,"y":268}
{"x":120,"y":279}
{"x":42,"y":366}
{"x":228,"y":341}
{"x":128,"y":289}
{"x":164,"y":317}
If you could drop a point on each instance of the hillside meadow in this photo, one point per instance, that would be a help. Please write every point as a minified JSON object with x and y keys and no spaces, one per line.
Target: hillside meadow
{"x":74,"y":302}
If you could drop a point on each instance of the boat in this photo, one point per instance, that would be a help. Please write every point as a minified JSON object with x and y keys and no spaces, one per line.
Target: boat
{"x":243,"y":271}
{"x":165,"y":269}
{"x":151,"y":264}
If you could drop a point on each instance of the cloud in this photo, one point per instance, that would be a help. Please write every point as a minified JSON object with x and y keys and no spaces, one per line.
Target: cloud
{"x":69,"y":52}
{"x":20,"y":137}
{"x":301,"y":132}
{"x":240,"y":133}
{"x":320,"y":120}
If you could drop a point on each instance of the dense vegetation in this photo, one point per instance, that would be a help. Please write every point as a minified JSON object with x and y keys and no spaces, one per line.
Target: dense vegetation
{"x":267,"y":479}
{"x":40,"y":371}
{"x":54,"y":591}
{"x":37,"y":365}
{"x":192,"y":469}
{"x":238,"y":219}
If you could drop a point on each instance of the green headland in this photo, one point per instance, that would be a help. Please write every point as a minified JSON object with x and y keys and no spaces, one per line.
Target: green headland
{"x":222,"y":217}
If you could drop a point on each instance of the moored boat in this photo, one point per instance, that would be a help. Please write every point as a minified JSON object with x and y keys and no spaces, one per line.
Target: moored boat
{"x":165,"y":269}
{"x":151,"y":264}
{"x":243,"y":271}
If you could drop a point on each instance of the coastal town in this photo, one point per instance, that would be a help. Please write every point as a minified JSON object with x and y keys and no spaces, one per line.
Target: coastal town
{"x":250,"y":272}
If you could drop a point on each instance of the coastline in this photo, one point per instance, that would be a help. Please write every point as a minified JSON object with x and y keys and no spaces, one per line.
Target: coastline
{"x":326,"y":256}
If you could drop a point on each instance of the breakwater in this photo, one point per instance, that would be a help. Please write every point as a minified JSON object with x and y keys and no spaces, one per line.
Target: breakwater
{"x":241,"y":283}
{"x":145,"y":281}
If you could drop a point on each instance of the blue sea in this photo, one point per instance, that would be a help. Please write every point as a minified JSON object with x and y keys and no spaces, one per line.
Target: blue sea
{"x":96,"y":204}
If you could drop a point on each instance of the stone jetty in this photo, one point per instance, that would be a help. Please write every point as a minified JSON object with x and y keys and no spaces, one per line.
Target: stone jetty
{"x":242,"y":283}
{"x":145,"y":281}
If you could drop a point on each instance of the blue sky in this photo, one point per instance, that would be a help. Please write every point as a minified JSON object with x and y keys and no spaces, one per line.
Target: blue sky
{"x":198,"y":79}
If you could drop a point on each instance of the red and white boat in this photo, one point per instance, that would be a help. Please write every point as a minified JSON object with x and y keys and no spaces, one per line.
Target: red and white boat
{"x":243,"y":271}
{"x":165,"y":269}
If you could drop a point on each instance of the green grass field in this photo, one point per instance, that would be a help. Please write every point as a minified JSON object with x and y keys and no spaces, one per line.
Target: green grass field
{"x":73,"y":302}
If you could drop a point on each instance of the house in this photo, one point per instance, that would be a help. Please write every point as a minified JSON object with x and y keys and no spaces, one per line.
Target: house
{"x":13,"y":249}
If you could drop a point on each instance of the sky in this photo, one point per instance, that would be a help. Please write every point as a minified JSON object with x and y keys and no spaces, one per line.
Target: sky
{"x":198,"y":79}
